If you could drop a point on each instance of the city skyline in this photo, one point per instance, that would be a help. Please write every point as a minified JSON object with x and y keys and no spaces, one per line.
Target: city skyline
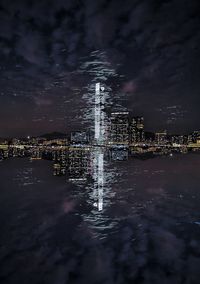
{"x":99,"y":141}
{"x":107,"y":129}
{"x":113,"y":137}
{"x":61,"y":131}
{"x":57,"y":134}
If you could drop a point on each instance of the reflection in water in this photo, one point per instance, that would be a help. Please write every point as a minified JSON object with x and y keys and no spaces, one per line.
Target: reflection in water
{"x":147,"y":232}
{"x":98,"y":176}
{"x":89,"y":162}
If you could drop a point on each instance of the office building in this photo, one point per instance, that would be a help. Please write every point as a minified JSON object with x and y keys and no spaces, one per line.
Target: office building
{"x":119,"y":128}
{"x":137,"y":130}
{"x":161,"y":137}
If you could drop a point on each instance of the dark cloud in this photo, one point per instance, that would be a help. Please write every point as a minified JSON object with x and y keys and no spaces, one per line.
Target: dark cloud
{"x":153,"y":43}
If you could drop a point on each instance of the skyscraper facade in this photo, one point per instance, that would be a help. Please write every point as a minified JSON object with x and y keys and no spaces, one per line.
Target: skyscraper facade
{"x":119,"y":128}
{"x":137,"y":130}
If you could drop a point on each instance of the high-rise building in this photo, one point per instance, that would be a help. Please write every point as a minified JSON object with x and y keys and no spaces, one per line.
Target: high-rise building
{"x":195,"y":136}
{"x":137,"y":130}
{"x":98,"y":150}
{"x":119,"y":128}
{"x":161,"y":137}
{"x":99,"y":115}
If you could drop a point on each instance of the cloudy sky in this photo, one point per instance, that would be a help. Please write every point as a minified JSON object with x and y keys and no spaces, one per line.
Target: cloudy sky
{"x":153,"y":45}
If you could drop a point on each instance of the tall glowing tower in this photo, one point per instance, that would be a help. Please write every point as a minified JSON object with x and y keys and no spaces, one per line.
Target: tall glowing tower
{"x":98,"y":67}
{"x":99,"y":140}
{"x":99,"y":134}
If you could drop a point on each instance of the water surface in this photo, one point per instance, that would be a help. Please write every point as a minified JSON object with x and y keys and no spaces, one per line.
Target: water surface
{"x":148,"y":231}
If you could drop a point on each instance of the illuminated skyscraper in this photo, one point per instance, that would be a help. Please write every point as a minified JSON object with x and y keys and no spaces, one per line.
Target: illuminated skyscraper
{"x":195,"y":136}
{"x":119,"y":128}
{"x":161,"y":137}
{"x":99,"y":134}
{"x":98,"y":150}
{"x":137,"y":130}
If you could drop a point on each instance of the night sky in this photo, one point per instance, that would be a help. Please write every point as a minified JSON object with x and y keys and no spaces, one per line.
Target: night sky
{"x":152,"y":44}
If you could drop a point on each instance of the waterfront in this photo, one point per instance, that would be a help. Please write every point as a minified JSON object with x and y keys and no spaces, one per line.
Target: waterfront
{"x":147,"y":232}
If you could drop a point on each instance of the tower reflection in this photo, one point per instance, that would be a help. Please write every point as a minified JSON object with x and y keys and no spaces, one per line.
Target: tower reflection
{"x":86,"y":160}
